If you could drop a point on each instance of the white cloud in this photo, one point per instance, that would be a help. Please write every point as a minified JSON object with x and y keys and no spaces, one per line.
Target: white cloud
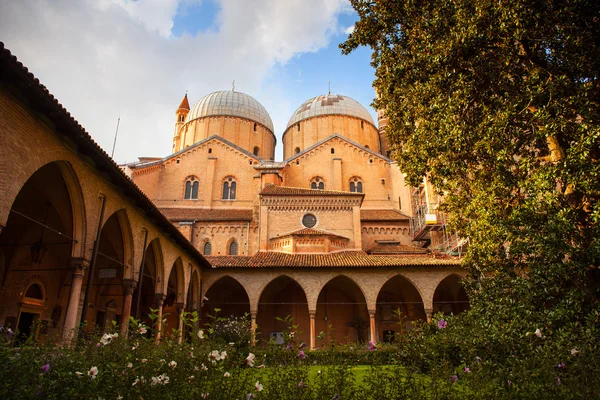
{"x":109,"y":58}
{"x":349,"y":30}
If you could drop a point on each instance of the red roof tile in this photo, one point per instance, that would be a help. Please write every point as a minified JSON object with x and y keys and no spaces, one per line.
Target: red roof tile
{"x":310,"y":232}
{"x":395,"y":248}
{"x":346,"y":259}
{"x":202,"y":214}
{"x":273,"y":190}
{"x":383,"y":215}
{"x":185,"y":104}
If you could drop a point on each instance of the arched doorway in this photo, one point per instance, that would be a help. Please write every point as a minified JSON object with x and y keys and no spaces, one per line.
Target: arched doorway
{"x":342,"y":315}
{"x":150,"y":279}
{"x":281,"y":298}
{"x":174,"y":298}
{"x":227,"y":295}
{"x":44,"y":227}
{"x":105,"y":301}
{"x":450,"y":296}
{"x":399,"y":306}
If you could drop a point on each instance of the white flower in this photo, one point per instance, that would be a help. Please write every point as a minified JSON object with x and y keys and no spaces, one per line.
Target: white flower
{"x":78,"y":374}
{"x":137,"y":380}
{"x":144,"y":360}
{"x":319,"y":372}
{"x":214,"y":355}
{"x":261,"y":366}
{"x":538,"y":333}
{"x":258,"y":386}
{"x":154,"y":381}
{"x":223,"y":355}
{"x":142,"y":330}
{"x":191,"y":378}
{"x":226,"y":375}
{"x":129,"y":365}
{"x":173,"y":364}
{"x":119,"y":397}
{"x":250,"y":360}
{"x":200,"y":334}
{"x":133,"y":348}
{"x":93,"y":372}
{"x":204,"y":367}
{"x":165,"y":379}
{"x":106,"y":339}
{"x":231,"y":344}
{"x":204,"y":395}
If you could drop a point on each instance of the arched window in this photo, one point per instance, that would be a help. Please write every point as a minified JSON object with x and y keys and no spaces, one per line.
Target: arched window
{"x":317,"y":183}
{"x":367,"y":147}
{"x":362,"y":124}
{"x":34,"y":292}
{"x":255,"y":127}
{"x":191,"y":188}
{"x":298,"y":126}
{"x":233,"y":248}
{"x":207,"y":249}
{"x":332,"y":150}
{"x":297,"y":150}
{"x":256,"y":150}
{"x":356,"y":185}
{"x":229,"y":186}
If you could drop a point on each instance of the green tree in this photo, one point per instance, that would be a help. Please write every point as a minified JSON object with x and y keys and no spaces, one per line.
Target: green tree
{"x":497,"y":104}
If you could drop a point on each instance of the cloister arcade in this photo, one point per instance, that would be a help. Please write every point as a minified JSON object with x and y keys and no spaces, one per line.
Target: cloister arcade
{"x":333,"y":306}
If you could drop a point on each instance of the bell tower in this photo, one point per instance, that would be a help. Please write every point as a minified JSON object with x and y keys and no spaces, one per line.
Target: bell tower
{"x":181,"y":113}
{"x":382,"y":123}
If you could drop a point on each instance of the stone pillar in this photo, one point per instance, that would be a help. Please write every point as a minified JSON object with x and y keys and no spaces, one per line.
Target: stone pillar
{"x":253,"y":327}
{"x":159,"y":298}
{"x":79,"y":266}
{"x":128,"y":289}
{"x":373,"y":331}
{"x":429,"y":314}
{"x":3,"y":305}
{"x":313,"y":334}
{"x":180,"y":310}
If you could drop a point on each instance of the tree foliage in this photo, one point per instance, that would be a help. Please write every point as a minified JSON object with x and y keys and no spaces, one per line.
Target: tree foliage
{"x":497,"y":104}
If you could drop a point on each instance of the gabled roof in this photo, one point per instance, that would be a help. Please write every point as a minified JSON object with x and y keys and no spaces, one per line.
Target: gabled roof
{"x":203,"y":214}
{"x":345,"y":259}
{"x":383,"y":215}
{"x":337,"y":136}
{"x":309,"y":232}
{"x":274,"y":190}
{"x":193,"y":146}
{"x":41,"y":100}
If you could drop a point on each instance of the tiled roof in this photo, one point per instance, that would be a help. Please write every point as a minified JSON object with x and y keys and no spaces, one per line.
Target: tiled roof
{"x":185,"y":104}
{"x":41,"y":100}
{"x":310,"y":232}
{"x":383,"y":215}
{"x":395,"y":248}
{"x":201,"y":214}
{"x":346,"y":259}
{"x":273,"y":190}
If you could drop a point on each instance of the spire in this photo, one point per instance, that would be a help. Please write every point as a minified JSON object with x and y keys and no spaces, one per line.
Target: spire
{"x":185,"y":105}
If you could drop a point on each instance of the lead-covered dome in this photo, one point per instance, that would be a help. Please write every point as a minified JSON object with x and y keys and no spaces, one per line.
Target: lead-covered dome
{"x":331,"y":104}
{"x":231,"y":103}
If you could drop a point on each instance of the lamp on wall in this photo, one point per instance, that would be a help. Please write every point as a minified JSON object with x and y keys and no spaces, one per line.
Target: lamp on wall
{"x":38,"y":250}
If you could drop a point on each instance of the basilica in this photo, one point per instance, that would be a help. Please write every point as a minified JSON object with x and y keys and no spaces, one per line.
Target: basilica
{"x":330,"y":238}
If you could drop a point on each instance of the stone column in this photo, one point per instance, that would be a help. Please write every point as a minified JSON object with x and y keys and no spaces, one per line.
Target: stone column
{"x":79,"y":266}
{"x":253,"y":327}
{"x":313,"y":334}
{"x":128,"y":289}
{"x":3,"y":305}
{"x":373,"y":331}
{"x":159,"y":298}
{"x":429,"y":314}
{"x":180,"y":310}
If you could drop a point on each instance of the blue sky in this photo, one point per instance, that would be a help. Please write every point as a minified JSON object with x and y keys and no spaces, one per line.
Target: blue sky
{"x":135,"y":59}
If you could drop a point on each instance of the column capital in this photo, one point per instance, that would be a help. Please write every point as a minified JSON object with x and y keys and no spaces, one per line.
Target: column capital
{"x":180,"y":307}
{"x":253,"y":314}
{"x":159,"y":298}
{"x":312,"y":314}
{"x":372,"y":313}
{"x":79,"y":264}
{"x":129,"y":286}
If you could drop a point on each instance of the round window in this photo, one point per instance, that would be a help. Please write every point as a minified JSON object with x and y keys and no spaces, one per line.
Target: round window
{"x":309,"y":220}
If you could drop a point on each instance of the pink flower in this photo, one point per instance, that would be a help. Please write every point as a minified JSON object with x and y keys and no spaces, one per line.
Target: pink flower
{"x":301,"y":385}
{"x":301,"y":355}
{"x":371,"y":346}
{"x":453,"y":378}
{"x":45,"y":368}
{"x":442,"y":324}
{"x":467,"y":370}
{"x":562,"y":365}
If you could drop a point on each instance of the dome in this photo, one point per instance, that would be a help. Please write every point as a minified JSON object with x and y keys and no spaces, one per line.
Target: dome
{"x":332,"y":104}
{"x":228,"y":102}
